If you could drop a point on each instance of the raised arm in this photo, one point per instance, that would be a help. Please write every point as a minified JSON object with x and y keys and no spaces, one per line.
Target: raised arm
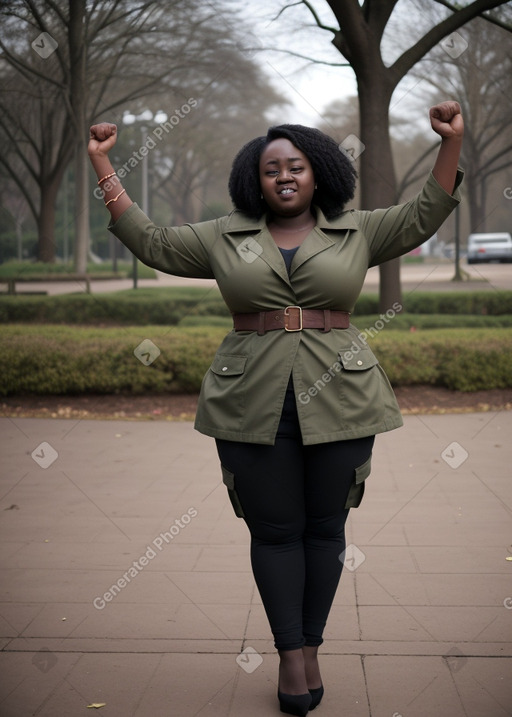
{"x":102,"y":138}
{"x":446,"y":120}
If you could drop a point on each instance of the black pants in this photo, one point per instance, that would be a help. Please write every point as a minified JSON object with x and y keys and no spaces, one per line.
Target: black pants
{"x":293,"y":500}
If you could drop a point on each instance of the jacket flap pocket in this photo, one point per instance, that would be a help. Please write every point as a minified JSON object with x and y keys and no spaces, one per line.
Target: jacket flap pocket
{"x":228,"y":478}
{"x":357,"y":361}
{"x":356,"y":492}
{"x":362,"y":472}
{"x":228,"y":364}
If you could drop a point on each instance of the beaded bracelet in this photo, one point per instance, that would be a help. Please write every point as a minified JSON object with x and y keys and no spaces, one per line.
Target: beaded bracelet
{"x":115,"y":198}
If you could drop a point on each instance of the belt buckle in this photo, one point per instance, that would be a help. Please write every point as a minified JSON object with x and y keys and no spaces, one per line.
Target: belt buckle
{"x":288,"y":315}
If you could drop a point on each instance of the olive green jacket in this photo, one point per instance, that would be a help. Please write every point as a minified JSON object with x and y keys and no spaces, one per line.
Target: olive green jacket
{"x":342,"y":391}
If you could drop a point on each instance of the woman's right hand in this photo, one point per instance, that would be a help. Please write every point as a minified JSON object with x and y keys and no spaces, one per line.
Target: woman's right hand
{"x":102,"y":138}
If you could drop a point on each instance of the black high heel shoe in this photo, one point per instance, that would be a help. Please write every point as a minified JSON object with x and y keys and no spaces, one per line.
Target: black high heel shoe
{"x":294,"y":704}
{"x":316,"y":696}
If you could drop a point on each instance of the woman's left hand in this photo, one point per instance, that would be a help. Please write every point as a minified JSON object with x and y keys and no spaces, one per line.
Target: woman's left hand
{"x":446,"y":119}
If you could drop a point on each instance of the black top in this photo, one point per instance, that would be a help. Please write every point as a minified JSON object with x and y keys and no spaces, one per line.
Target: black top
{"x":288,"y":255}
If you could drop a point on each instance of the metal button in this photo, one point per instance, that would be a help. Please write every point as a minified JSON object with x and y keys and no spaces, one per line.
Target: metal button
{"x":224,"y":368}
{"x":359,"y":363}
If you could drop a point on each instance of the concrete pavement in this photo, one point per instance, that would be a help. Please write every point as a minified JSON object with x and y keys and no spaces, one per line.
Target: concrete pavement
{"x":428,"y":276}
{"x":125,"y":577}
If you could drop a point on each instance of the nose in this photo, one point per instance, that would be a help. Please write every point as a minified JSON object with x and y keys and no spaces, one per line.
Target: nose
{"x":283,"y":176}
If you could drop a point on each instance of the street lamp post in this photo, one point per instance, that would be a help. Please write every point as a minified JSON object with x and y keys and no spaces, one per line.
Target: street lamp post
{"x":145,"y":117}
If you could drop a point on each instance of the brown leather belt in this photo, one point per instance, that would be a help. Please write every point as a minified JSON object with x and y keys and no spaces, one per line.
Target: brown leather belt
{"x":292,"y":318}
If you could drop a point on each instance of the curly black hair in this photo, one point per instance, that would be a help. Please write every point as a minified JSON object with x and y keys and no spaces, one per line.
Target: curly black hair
{"x":334,"y":173}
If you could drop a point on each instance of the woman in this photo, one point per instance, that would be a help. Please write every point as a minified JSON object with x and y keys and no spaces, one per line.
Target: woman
{"x":294,"y":396}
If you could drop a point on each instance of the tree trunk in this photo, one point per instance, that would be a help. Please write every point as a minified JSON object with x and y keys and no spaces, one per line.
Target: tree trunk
{"x":46,"y":246}
{"x":378,"y":181}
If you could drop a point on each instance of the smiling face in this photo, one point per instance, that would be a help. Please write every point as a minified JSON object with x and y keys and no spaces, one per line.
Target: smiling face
{"x":286,"y":178}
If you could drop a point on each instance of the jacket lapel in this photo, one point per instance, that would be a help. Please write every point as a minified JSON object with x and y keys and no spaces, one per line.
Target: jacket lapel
{"x":255,"y":237}
{"x":324,"y":235}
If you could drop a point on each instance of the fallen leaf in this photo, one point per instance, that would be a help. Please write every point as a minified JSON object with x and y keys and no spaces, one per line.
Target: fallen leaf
{"x":97,"y":705}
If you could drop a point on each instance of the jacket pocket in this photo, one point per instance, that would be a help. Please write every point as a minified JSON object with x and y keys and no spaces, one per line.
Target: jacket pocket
{"x":356,"y":492}
{"x":360,"y":360}
{"x":360,"y":387}
{"x":228,"y":478}
{"x":224,"y":392}
{"x":228,"y":365}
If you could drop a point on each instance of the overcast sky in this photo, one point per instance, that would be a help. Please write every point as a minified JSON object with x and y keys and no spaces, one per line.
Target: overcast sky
{"x":309,"y":87}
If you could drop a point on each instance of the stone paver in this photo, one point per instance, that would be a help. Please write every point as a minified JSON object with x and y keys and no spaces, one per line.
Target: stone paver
{"x":125,"y":577}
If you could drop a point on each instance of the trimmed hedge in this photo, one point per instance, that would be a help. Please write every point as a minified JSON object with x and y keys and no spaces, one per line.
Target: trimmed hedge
{"x":458,"y":359}
{"x":71,"y":360}
{"x":476,"y":302}
{"x":170,"y":306}
{"x":139,"y":307}
{"x":41,"y":271}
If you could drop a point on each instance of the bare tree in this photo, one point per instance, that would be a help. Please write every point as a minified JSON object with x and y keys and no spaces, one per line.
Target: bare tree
{"x":358,"y":37}
{"x":86,"y":59}
{"x":198,"y":161}
{"x":482,"y":78}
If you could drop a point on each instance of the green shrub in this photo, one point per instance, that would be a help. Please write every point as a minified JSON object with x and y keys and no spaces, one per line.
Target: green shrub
{"x":134,"y":307}
{"x":483,"y":303}
{"x":413,"y":322}
{"x":459,"y":359}
{"x":71,"y":360}
{"x":42,"y":270}
{"x":169,"y":306}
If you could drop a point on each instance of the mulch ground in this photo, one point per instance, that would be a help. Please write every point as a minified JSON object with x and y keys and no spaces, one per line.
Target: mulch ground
{"x":412,"y":400}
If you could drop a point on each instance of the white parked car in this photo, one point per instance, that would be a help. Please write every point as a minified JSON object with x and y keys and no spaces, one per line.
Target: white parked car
{"x":487,"y":247}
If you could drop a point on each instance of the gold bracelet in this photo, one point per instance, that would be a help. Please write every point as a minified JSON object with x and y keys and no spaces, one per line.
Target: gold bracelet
{"x":107,"y":176}
{"x":115,"y":198}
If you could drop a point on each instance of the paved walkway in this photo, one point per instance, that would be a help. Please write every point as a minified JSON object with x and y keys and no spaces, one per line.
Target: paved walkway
{"x":125,"y":577}
{"x":430,"y":276}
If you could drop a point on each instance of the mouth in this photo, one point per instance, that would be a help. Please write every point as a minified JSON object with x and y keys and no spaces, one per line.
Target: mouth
{"x":286,"y":190}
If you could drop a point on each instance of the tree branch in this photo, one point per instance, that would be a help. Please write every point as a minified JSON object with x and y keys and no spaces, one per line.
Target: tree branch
{"x":484,"y":15}
{"x":411,"y":56}
{"x":309,"y":59}
{"x":312,"y":10}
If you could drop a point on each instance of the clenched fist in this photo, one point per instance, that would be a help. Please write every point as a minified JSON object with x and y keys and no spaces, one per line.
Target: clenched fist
{"x":446,"y":119}
{"x":102,"y":138}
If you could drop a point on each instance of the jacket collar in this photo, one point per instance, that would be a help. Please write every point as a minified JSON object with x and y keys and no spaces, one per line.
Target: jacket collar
{"x":237,"y":222}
